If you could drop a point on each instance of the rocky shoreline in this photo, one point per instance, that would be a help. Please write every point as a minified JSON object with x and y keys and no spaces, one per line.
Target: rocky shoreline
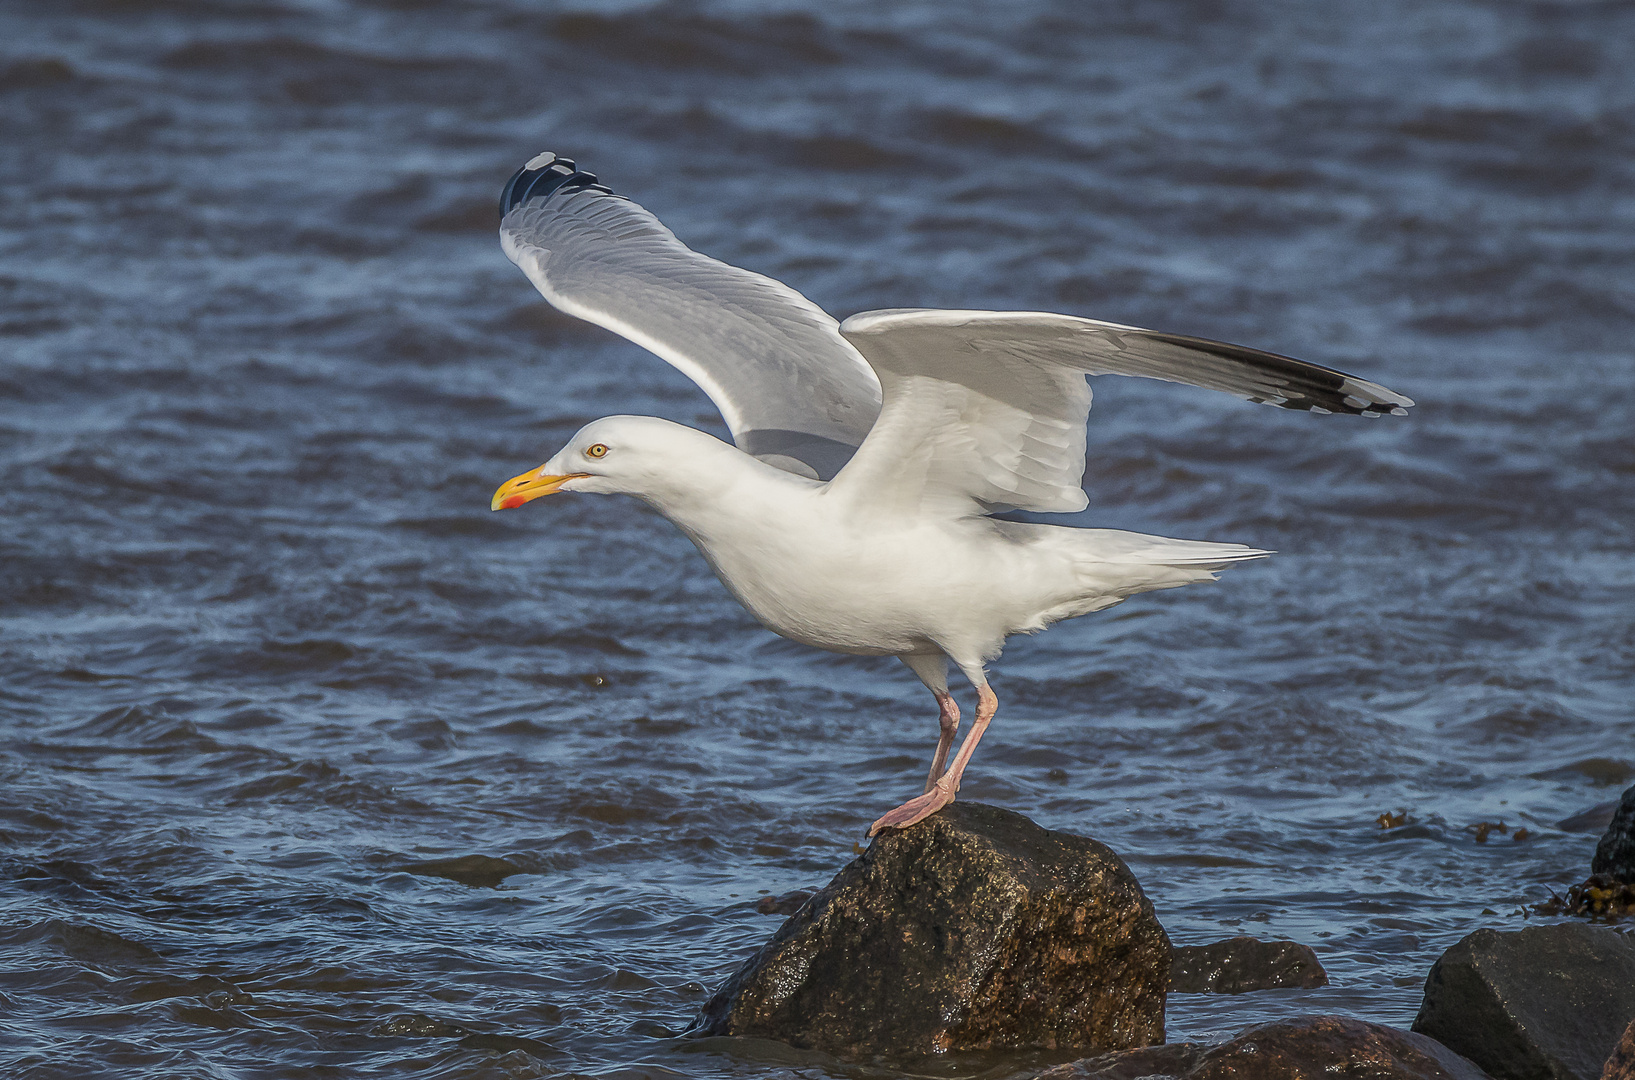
{"x":978,"y":930}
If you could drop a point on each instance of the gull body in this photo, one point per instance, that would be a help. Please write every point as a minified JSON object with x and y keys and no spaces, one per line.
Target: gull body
{"x":851,"y":576}
{"x":855,"y":509}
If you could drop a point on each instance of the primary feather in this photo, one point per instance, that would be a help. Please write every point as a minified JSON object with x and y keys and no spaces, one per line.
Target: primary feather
{"x":792,"y":391}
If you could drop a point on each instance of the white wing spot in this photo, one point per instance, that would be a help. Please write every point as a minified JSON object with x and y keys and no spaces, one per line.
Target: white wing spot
{"x":539,"y":161}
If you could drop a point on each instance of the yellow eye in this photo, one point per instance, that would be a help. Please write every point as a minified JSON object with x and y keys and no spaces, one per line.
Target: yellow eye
{"x":596,"y":451}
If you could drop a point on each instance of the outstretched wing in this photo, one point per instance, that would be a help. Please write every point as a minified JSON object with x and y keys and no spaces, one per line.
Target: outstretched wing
{"x":985,"y":410}
{"x":793,"y":392}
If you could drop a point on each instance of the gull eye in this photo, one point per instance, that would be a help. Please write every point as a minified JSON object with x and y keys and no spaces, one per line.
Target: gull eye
{"x":596,"y":451}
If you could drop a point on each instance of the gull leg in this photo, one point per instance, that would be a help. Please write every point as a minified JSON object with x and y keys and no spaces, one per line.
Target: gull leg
{"x":932,"y":668}
{"x":943,"y":790}
{"x":948,"y":721}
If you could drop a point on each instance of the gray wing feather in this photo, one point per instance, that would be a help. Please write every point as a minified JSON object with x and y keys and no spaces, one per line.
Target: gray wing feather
{"x":792,"y":390}
{"x":1093,"y":347}
{"x":985,"y":410}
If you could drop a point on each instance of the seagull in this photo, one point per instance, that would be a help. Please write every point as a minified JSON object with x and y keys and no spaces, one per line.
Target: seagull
{"x":856,"y":508}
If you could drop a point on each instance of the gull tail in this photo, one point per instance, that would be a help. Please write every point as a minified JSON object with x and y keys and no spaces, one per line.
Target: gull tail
{"x":1109,"y":565}
{"x":1200,"y":553}
{"x":1127,"y":548}
{"x":1125,"y":563}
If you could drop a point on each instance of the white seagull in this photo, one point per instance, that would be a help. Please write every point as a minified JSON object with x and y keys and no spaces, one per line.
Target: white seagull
{"x":854,"y":509}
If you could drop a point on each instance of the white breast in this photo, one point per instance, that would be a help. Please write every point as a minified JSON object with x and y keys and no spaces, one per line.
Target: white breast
{"x":812,"y":571}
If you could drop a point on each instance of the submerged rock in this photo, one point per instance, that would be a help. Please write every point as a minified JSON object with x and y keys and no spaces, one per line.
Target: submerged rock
{"x":478,"y":871}
{"x":1146,"y":1063}
{"x":1615,"y":854}
{"x":974,"y":930}
{"x":1544,"y":1003}
{"x":1238,"y":965}
{"x":1594,"y":820}
{"x":784,"y":903}
{"x":1304,"y":1048}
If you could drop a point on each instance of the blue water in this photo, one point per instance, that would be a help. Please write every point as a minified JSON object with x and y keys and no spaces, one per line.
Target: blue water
{"x":262,"y":363}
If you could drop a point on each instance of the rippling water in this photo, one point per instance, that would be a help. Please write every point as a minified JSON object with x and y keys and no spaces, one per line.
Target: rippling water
{"x":264,"y":650}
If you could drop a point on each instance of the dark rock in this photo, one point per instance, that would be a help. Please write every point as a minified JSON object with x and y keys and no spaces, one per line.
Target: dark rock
{"x":1594,"y":820}
{"x":1621,"y":1065}
{"x":1238,"y":965}
{"x":414,"y":1024}
{"x":1600,"y":771}
{"x":1615,"y":854}
{"x":973,"y":930}
{"x":1156,"y":1062}
{"x":93,"y":945}
{"x":507,"y":1043}
{"x":1304,"y":1048}
{"x":1544,"y":1003}
{"x":479,"y":871}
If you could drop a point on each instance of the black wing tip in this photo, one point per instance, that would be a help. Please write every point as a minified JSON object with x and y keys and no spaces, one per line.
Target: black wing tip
{"x":1358,"y":397}
{"x":1350,"y":405}
{"x":545,"y":175}
{"x":1310,"y":387}
{"x":1347,"y":406}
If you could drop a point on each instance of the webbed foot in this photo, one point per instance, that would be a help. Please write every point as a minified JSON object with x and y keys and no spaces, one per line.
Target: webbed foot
{"x":918,"y":808}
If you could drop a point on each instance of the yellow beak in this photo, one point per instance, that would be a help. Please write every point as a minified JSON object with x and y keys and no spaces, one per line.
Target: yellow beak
{"x":528,"y":487}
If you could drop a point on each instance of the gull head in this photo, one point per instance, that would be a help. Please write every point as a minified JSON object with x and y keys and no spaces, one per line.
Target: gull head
{"x":653,"y":459}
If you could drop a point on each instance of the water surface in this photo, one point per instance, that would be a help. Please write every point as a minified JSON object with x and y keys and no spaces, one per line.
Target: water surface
{"x":263,"y":647}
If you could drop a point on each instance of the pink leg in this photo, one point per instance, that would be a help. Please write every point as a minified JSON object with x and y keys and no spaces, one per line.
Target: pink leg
{"x":942,"y":792}
{"x":949,"y":722}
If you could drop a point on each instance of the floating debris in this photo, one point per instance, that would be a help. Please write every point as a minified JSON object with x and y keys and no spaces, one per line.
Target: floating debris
{"x":1397,"y":820}
{"x":1482,"y":828}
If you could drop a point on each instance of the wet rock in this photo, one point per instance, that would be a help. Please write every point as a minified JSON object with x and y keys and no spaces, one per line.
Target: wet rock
{"x":418,"y":1025}
{"x":1304,"y":1048}
{"x":1615,"y":854}
{"x":91,"y":945}
{"x":1238,"y":965}
{"x":478,"y":871}
{"x":1593,"y":820}
{"x":415,"y":1024}
{"x":1154,"y":1062}
{"x":1621,"y":1065}
{"x":975,"y":929}
{"x":1544,"y":1003}
{"x":507,"y":1043}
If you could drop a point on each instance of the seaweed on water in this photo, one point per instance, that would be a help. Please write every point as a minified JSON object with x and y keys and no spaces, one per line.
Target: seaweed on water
{"x":1388,"y":820}
{"x":1482,"y":828}
{"x":1600,"y":896}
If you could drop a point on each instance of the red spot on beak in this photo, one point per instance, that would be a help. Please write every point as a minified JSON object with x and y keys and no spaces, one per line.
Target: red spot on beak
{"x":512,"y":503}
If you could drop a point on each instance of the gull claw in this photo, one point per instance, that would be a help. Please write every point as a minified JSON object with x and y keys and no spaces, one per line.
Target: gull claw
{"x":916,"y":809}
